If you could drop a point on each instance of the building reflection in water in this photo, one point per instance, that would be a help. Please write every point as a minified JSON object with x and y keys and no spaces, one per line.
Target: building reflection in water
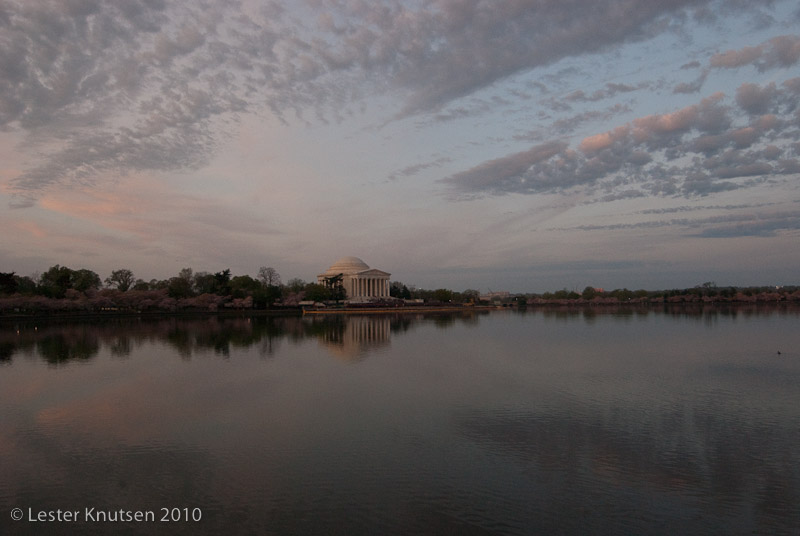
{"x":355,"y":336}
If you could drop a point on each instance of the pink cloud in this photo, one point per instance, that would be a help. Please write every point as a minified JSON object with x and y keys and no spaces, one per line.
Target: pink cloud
{"x":767,"y":122}
{"x":781,"y":51}
{"x":736,"y":58}
{"x":30,"y":228}
{"x":744,"y":137}
{"x":784,"y":50}
{"x":681,"y":120}
{"x":604,"y":139}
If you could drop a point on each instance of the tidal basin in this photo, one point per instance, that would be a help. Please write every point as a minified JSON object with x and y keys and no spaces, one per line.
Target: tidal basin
{"x":678,"y":420}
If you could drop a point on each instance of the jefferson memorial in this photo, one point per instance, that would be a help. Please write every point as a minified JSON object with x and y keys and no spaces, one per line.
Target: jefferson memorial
{"x":359,"y":281}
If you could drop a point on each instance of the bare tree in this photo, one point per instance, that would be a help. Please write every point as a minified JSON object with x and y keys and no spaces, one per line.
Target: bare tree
{"x":122,"y":279}
{"x":269,"y":276}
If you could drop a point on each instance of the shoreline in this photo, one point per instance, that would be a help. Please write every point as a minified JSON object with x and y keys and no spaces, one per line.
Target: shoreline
{"x":91,"y":315}
{"x":595,"y":305}
{"x":401,"y":310}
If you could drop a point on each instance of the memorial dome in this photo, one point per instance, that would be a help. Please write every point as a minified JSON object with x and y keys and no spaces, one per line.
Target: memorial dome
{"x":358,"y":281}
{"x":347,"y":265}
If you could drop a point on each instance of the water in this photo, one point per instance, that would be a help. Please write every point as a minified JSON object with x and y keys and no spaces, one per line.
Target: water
{"x":683,"y":421}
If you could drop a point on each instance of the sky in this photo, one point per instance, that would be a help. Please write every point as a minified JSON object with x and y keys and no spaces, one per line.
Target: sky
{"x":521,"y":145}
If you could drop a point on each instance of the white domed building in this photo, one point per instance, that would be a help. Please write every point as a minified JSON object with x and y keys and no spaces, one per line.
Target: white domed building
{"x":360,"y":282}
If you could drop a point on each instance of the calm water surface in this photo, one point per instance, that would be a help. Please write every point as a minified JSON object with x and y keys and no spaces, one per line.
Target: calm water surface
{"x":683,"y":421}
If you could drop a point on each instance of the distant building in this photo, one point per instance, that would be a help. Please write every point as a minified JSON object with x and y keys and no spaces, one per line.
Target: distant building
{"x":359,"y":281}
{"x":496,"y":296}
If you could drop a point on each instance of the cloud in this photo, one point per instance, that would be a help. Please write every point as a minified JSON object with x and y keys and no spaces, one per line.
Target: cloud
{"x":696,"y":150}
{"x":107,"y":88}
{"x":611,"y":90}
{"x":779,"y":52}
{"x":604,"y":139}
{"x":414,"y":169}
{"x":736,"y":58}
{"x":763,"y":226}
{"x":103,"y":88}
{"x":568,"y":125}
{"x":511,"y":173}
{"x":59,"y":59}
{"x":754,"y":99}
{"x":721,"y":226}
{"x":460,"y":46}
{"x":692,"y":87}
{"x":686,"y":208}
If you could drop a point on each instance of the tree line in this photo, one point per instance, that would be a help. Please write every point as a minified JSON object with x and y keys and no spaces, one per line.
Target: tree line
{"x":707,"y":292}
{"x":68,"y":290}
{"x":63,"y":289}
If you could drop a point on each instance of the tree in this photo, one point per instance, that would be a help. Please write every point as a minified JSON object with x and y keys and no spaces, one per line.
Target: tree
{"x":186,"y":273}
{"x":204,"y":283}
{"x":317,"y":293}
{"x":266,"y":296}
{"x":122,"y":279}
{"x":141,"y":284}
{"x":55,"y":282}
{"x":244,"y":285}
{"x":181,"y":286}
{"x":83,"y":280}
{"x":296,"y":284}
{"x":471,"y":295}
{"x":562,"y":294}
{"x":217,"y":283}
{"x":223,"y":282}
{"x":156,"y":284}
{"x":8,"y":283}
{"x":25,"y":285}
{"x":588,"y":293}
{"x":269,"y":276}
{"x":399,"y":290}
{"x":622,"y":294}
{"x":334,"y":285}
{"x":442,"y":295}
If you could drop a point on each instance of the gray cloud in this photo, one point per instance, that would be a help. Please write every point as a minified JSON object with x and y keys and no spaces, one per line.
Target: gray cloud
{"x":512,"y":173}
{"x":781,"y":51}
{"x":754,"y":99}
{"x":722,"y":226}
{"x":686,"y":208}
{"x":778,"y":52}
{"x":694,"y":151}
{"x":764,"y":225}
{"x":412,"y":170}
{"x":611,"y":89}
{"x":692,"y":87}
{"x":105,"y":87}
{"x":476,"y":44}
{"x":109,"y":87}
{"x":568,"y":125}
